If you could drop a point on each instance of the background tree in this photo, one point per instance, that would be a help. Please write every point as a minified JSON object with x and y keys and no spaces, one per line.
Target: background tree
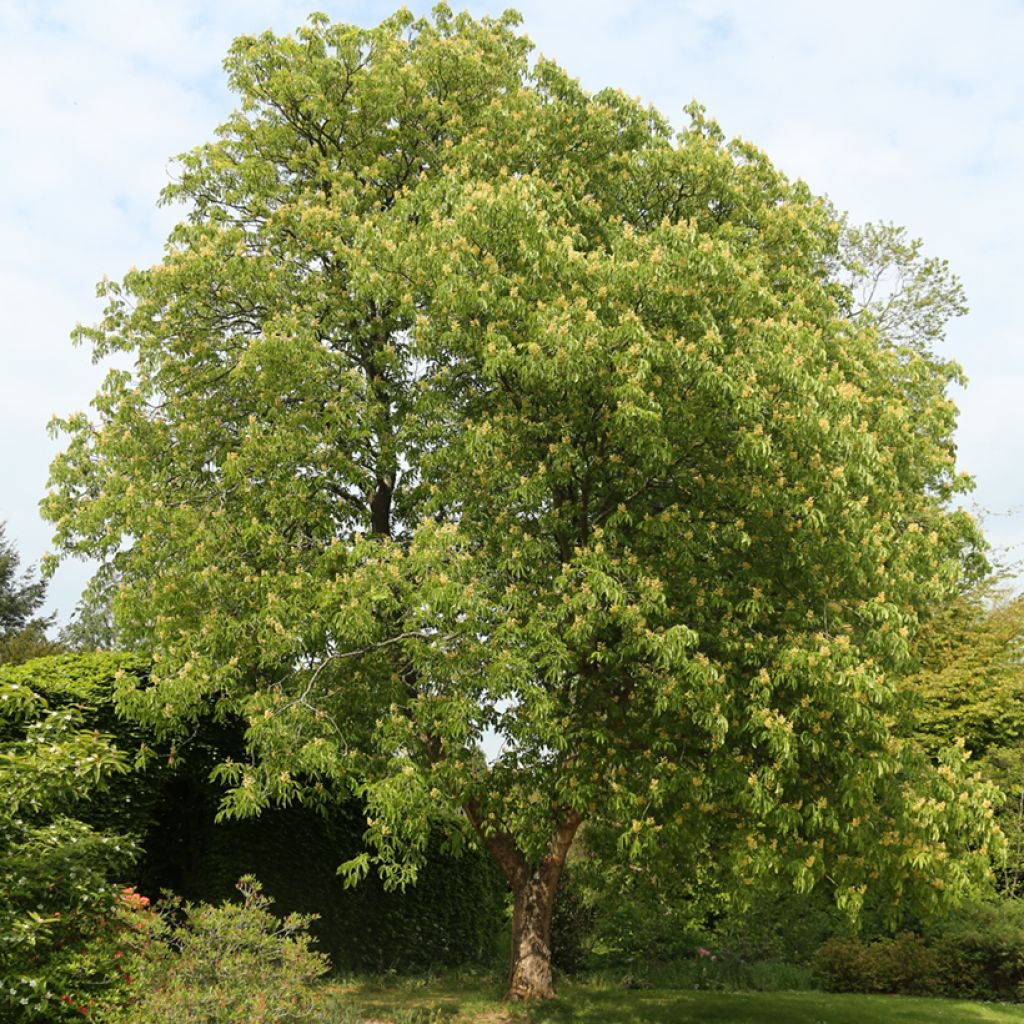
{"x":907,"y":296}
{"x":970,"y":685}
{"x":22,"y":632}
{"x":467,"y":403}
{"x":92,"y":626}
{"x":970,"y":689}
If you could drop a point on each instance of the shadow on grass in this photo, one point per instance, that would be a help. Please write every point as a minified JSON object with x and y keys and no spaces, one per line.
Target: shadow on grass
{"x":435,"y":1002}
{"x":583,"y":1007}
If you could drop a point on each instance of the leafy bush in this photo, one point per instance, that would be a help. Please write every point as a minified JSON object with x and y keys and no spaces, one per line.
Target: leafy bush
{"x":982,"y":950}
{"x":904,"y":965}
{"x":978,"y":953}
{"x":236,"y":963}
{"x":776,"y":924}
{"x":86,"y":978}
{"x":653,"y":917}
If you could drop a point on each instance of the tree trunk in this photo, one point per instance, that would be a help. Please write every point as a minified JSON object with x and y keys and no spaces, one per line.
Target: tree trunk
{"x":533,"y":893}
{"x":534,"y":898}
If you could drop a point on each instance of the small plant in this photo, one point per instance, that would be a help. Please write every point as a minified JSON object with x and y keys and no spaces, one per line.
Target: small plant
{"x":236,"y":963}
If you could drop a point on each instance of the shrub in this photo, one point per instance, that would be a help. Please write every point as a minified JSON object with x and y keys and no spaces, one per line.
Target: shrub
{"x":975,"y":953}
{"x":848,"y":965}
{"x":982,"y":950}
{"x":235,"y":963}
{"x":55,"y":869}
{"x":86,"y":977}
{"x":775,"y":924}
{"x":904,"y":965}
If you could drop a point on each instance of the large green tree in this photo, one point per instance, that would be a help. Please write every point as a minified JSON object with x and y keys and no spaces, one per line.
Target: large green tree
{"x":514,"y":462}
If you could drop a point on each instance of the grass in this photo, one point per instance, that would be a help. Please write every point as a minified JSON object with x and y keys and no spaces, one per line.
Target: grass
{"x":467,"y":1001}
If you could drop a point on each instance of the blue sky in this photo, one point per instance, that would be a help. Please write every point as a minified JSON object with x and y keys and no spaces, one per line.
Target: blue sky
{"x":903,"y":111}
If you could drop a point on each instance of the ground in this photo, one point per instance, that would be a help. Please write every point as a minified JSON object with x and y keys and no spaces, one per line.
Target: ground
{"x":449,"y":1002}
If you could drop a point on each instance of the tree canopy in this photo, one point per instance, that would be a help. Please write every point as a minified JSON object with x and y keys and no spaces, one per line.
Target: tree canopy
{"x":468,"y":404}
{"x":970,"y":684}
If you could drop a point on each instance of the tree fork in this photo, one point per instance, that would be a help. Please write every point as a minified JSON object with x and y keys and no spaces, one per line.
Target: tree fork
{"x":533,"y":895}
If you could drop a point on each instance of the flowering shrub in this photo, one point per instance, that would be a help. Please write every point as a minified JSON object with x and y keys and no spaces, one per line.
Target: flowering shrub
{"x":230,"y":964}
{"x":84,"y":975}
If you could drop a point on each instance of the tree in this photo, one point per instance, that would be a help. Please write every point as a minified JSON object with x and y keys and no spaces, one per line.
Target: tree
{"x":970,"y":684}
{"x":22,"y":632}
{"x":466,"y":404}
{"x":92,"y":627}
{"x":970,"y":688}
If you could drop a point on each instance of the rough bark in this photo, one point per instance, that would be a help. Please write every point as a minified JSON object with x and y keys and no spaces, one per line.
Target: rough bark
{"x":533,"y":894}
{"x":534,"y":899}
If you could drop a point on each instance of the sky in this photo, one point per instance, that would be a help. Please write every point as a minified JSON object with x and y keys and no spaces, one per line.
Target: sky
{"x":898,"y":111}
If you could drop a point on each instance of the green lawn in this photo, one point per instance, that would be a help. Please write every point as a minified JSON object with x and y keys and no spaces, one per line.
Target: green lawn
{"x":449,"y":1003}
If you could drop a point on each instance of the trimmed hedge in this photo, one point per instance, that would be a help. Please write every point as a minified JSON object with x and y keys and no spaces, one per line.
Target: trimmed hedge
{"x":454,"y":915}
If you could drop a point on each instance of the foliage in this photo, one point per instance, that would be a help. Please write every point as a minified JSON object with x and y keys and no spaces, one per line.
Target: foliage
{"x":55,"y":869}
{"x":22,"y":632}
{"x":907,"y":296}
{"x":167,"y":802}
{"x":572,"y":925}
{"x":982,"y":950}
{"x":86,"y":977}
{"x":1005,"y":767}
{"x":230,"y":964}
{"x":632,"y":914}
{"x":85,"y":684}
{"x":903,"y":965}
{"x":665,"y":924}
{"x":970,"y":685}
{"x":453,"y":915}
{"x":20,"y":595}
{"x":466,"y":401}
{"x":92,"y":627}
{"x":85,"y":681}
{"x":978,"y":953}
{"x":28,"y":644}
{"x":778,"y":925}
